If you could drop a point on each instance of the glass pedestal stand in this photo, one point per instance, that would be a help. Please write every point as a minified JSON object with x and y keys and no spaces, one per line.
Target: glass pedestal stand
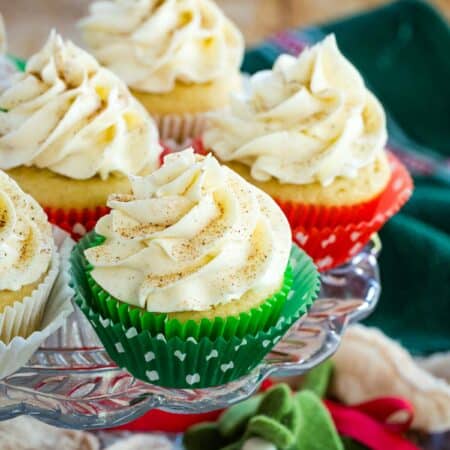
{"x":71,"y":382}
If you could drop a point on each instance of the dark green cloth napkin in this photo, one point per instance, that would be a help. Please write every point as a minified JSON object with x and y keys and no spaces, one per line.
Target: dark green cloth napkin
{"x":403,"y":52}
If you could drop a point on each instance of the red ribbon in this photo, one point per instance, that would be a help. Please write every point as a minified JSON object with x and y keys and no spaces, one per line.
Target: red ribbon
{"x":370,"y":423}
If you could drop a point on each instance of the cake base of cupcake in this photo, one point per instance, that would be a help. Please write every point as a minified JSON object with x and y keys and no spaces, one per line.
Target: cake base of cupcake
{"x":361,"y":190}
{"x":73,"y":205}
{"x":59,"y":192}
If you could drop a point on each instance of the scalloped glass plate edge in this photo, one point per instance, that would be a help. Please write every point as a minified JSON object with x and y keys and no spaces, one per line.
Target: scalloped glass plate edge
{"x":80,"y":387}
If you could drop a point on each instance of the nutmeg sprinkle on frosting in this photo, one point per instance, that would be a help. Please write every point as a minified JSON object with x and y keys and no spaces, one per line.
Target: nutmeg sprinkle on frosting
{"x":309,"y":119}
{"x":26,"y":242}
{"x":192,"y":235}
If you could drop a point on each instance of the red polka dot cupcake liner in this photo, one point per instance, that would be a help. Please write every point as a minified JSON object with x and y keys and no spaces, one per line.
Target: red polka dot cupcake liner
{"x":77,"y":222}
{"x":316,"y":216}
{"x":332,"y":244}
{"x":308,"y":216}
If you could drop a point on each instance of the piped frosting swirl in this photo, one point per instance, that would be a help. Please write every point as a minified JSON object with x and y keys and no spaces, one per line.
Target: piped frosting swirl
{"x":152,"y":44}
{"x":192,"y":235}
{"x":26,"y":242}
{"x":309,"y":119}
{"x":69,"y":115}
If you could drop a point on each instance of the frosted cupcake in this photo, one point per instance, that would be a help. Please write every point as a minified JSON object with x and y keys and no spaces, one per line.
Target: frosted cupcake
{"x":194,"y":240}
{"x":194,"y":262}
{"x":311,"y":135}
{"x":70,"y":133}
{"x":28,"y":261}
{"x":179,"y":58}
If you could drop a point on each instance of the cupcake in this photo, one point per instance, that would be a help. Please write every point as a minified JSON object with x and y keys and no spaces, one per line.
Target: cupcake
{"x":195,"y":255}
{"x":70,"y":133}
{"x":181,"y":59}
{"x":311,"y":135}
{"x":28,"y":261}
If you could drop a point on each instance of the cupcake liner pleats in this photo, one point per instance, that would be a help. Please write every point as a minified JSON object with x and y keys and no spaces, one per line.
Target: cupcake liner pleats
{"x":331,"y":247}
{"x":333,"y":244}
{"x":259,"y":318}
{"x":180,"y":127}
{"x":387,"y":203}
{"x":51,"y":301}
{"x":23,"y":317}
{"x":317,"y":216}
{"x":186,"y":362}
{"x":77,"y":222}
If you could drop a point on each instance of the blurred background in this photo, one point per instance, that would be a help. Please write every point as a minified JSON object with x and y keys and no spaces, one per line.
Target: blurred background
{"x":28,"y":22}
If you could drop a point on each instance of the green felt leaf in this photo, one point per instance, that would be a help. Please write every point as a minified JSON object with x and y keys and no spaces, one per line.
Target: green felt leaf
{"x":203,"y":436}
{"x":317,"y":431}
{"x":271,"y":430}
{"x":292,"y":420}
{"x":318,"y":379}
{"x":277,"y":402}
{"x":233,"y":421}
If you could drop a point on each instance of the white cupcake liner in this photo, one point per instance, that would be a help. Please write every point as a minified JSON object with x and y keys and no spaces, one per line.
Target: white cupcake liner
{"x":24,"y":316}
{"x":180,"y":127}
{"x":50,"y":301}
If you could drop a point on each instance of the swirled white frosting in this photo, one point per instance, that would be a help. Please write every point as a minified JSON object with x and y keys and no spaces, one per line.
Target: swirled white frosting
{"x":194,"y":234}
{"x":151,"y":44}
{"x":309,"y":119}
{"x":69,"y":115}
{"x":26,"y":242}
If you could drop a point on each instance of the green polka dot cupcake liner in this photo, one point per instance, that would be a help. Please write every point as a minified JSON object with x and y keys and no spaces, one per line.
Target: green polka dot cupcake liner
{"x":250,"y":322}
{"x":190,"y":363}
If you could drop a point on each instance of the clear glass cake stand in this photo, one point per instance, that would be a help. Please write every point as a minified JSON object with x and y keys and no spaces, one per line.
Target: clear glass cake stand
{"x":71,"y":382}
